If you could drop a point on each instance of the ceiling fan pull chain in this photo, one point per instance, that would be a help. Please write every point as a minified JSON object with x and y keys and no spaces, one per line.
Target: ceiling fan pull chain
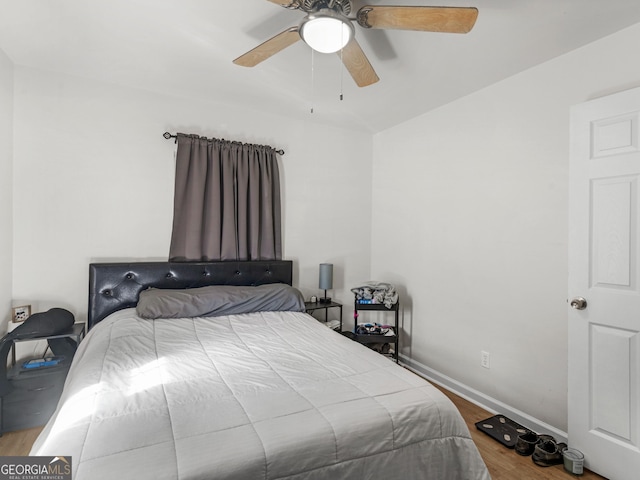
{"x":313,"y":83}
{"x":342,"y":71}
{"x":341,"y":79}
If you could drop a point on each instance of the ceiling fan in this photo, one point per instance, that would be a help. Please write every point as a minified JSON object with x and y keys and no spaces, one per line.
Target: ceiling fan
{"x":327,"y":28}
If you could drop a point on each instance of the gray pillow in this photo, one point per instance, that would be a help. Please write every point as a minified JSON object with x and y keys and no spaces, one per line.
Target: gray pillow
{"x":217,"y":300}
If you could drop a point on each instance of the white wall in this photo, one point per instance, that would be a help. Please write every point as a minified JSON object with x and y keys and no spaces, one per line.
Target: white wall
{"x":470,"y":220}
{"x":6,"y":172}
{"x":468,"y":206}
{"x":94,"y":182}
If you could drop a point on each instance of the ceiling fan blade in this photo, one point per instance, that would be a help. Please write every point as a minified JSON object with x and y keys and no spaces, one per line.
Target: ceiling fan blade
{"x":358,"y":64}
{"x":268,"y":48}
{"x":292,"y":4}
{"x":424,"y":19}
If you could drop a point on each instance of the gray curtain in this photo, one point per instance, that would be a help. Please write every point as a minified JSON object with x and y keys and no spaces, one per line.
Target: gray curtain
{"x":227,"y":201}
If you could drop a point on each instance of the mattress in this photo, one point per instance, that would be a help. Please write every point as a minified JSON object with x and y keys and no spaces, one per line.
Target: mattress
{"x":266,"y":395}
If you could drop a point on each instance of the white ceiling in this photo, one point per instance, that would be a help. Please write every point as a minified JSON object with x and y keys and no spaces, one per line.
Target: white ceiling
{"x":186,"y":48}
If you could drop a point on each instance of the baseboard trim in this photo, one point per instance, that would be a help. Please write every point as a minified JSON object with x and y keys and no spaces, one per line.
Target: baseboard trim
{"x":484,"y":401}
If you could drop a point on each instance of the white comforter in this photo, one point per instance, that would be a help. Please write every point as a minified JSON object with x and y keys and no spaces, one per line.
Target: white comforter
{"x":269,"y":395}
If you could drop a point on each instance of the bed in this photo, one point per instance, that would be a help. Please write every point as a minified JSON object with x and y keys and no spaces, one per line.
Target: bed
{"x":266,"y":394}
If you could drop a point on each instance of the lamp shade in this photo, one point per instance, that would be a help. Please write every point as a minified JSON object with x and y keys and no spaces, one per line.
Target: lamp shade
{"x":326,"y":31}
{"x":326,"y":276}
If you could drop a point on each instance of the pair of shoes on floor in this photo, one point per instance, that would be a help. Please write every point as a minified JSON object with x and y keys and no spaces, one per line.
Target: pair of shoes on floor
{"x":548,"y":453}
{"x":527,"y":442}
{"x":543,"y":449}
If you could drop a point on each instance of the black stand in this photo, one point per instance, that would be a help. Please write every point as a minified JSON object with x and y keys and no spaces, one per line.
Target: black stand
{"x":325,"y":299}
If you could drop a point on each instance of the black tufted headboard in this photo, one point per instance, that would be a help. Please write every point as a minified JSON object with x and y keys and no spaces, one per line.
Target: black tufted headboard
{"x":114,"y":286}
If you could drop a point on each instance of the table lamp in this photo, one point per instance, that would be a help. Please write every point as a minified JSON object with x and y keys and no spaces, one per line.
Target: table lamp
{"x":326,"y":280}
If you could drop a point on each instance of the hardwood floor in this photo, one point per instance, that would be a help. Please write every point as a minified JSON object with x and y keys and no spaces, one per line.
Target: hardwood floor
{"x":503,"y":464}
{"x":19,"y":443}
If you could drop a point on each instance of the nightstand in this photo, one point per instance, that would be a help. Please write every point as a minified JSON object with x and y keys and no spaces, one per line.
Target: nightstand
{"x":311,"y":307}
{"x":30,"y":395}
{"x":76,"y":332}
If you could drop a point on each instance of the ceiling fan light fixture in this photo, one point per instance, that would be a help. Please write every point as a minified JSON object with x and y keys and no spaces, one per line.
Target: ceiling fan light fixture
{"x":326,"y":31}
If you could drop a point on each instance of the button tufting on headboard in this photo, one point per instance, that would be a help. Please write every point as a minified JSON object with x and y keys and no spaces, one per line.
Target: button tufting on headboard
{"x":114,"y":286}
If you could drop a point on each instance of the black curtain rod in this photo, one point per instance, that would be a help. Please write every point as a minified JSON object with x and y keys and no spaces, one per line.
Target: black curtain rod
{"x":167,"y":135}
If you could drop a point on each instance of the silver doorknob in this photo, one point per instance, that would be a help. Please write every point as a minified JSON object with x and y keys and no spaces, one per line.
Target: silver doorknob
{"x":578,"y":303}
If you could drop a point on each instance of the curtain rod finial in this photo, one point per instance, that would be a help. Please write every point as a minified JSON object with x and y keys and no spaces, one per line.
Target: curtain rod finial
{"x":167,"y":136}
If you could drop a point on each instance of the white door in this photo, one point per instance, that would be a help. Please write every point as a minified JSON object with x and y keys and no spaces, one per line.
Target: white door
{"x":604,"y":261}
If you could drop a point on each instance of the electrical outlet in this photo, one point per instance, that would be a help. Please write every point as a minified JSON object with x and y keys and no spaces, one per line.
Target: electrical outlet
{"x":485,"y":359}
{"x":20,"y":314}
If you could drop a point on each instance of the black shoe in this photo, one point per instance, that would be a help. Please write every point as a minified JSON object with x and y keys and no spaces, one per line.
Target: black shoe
{"x":548,"y":453}
{"x":526,"y":443}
